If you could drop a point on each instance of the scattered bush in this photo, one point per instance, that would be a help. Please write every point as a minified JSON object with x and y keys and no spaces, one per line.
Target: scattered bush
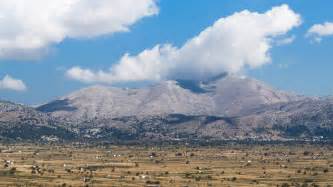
{"x":285,"y":185}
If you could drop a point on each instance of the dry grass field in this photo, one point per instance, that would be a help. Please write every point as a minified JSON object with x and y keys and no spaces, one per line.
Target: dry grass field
{"x":229,"y":165}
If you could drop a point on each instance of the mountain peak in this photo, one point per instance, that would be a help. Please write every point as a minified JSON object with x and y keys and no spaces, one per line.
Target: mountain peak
{"x":224,"y":95}
{"x":95,"y":89}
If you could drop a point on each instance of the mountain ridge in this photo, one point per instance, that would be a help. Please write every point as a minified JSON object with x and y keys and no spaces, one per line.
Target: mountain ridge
{"x":225,"y":108}
{"x":222,"y":97}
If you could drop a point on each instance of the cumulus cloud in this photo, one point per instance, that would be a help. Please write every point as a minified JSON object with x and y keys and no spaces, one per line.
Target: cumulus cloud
{"x":9,"y":83}
{"x":242,"y":40}
{"x":318,"y":31}
{"x":29,"y":27}
{"x":286,"y":40}
{"x":150,"y":65}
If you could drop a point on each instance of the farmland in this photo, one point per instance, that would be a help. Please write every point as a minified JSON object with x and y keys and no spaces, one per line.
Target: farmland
{"x":177,"y":165}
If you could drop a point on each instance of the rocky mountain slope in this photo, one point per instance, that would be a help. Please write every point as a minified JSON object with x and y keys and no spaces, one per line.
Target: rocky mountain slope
{"x":224,"y":108}
{"x":226,"y":96}
{"x":309,"y":117}
{"x":23,"y":122}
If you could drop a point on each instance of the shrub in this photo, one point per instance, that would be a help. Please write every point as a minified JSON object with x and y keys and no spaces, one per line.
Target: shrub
{"x":153,"y":182}
{"x":285,"y":185}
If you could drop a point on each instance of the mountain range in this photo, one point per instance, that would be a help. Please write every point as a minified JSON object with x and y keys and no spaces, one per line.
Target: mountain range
{"x":227,"y":107}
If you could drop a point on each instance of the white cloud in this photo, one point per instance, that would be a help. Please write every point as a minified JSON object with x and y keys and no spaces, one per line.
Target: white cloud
{"x":149,"y":65}
{"x":28,"y":27}
{"x":286,"y":40}
{"x":318,"y":31}
{"x":9,"y":83}
{"x":231,"y":44}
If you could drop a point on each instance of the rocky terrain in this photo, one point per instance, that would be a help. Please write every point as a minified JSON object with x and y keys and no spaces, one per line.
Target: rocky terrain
{"x":224,"y":96}
{"x":227,"y":107}
{"x":25,"y":123}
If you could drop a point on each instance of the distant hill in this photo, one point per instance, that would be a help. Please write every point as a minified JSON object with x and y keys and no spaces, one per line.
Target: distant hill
{"x":25,"y":123}
{"x":227,"y":107}
{"x":226,"y":96}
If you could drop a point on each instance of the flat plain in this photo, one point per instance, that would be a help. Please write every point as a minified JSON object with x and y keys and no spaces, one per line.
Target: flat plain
{"x":223,"y":165}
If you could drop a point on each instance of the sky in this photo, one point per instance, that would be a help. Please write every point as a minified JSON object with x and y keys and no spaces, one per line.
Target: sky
{"x":78,"y":43}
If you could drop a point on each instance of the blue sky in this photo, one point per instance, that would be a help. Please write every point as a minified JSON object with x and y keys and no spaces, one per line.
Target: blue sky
{"x":303,"y":66}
